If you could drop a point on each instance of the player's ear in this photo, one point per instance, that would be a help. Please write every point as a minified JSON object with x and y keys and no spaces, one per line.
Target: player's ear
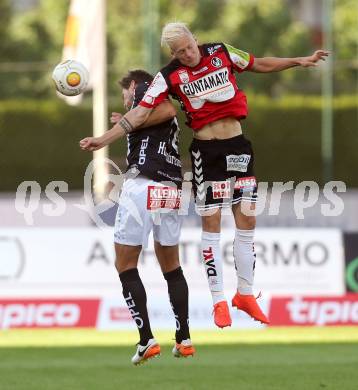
{"x":171,"y":51}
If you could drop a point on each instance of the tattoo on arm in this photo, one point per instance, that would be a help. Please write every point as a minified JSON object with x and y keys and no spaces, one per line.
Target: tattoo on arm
{"x":126,"y":125}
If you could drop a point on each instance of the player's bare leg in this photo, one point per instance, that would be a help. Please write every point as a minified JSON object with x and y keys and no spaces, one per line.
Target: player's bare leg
{"x":136,"y":299}
{"x":126,"y":257}
{"x":244,"y":256}
{"x":211,"y":255}
{"x":168,"y":258}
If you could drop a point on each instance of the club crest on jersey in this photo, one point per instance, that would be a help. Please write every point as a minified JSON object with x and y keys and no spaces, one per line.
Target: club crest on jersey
{"x":184,"y":76}
{"x":149,"y":99}
{"x":216,"y":61}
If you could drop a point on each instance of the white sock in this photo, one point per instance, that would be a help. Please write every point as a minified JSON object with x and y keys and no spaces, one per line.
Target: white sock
{"x":244,"y":256}
{"x":211,"y":256}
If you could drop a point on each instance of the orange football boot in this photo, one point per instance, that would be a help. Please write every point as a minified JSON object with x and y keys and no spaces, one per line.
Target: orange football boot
{"x":248,"y":304}
{"x":146,"y":352}
{"x":183,"y":349}
{"x":222,"y":316}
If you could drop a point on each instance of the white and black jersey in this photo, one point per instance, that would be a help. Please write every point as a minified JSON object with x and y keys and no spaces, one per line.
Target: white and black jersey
{"x":153,"y":151}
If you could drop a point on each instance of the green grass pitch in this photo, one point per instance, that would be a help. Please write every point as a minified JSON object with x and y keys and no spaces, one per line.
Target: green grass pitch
{"x":270,"y":359}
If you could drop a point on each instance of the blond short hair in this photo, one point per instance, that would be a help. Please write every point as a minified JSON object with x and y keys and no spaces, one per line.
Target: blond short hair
{"x":172,"y":31}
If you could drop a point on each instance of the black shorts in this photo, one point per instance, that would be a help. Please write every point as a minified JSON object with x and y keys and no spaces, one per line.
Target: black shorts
{"x":223,"y":172}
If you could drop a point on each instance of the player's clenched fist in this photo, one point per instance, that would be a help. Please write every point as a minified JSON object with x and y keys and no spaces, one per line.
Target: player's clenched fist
{"x":91,"y":144}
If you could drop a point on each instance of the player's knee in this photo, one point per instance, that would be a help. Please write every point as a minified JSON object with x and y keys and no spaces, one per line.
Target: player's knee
{"x":168,"y":256}
{"x":126,"y":257}
{"x":247,"y":222}
{"x":117,"y":264}
{"x":212,"y":223}
{"x":169,"y":266}
{"x":122,"y":266}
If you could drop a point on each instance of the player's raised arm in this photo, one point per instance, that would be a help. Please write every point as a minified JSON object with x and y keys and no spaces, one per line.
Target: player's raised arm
{"x":164,"y":112}
{"x":134,"y":119}
{"x":128,"y":123}
{"x":275,"y":64}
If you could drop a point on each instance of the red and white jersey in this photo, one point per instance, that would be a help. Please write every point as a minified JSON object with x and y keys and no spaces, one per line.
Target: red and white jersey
{"x":206,"y":92}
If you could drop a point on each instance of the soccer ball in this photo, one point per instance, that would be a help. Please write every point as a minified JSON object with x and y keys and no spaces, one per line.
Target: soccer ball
{"x":70,"y":77}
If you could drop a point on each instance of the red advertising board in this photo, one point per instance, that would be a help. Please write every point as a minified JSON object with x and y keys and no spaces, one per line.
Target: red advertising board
{"x":311,"y":311}
{"x":48,"y":313}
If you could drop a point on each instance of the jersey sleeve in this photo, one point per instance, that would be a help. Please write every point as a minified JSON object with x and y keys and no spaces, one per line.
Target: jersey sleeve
{"x":156,"y":93}
{"x":241,"y":59}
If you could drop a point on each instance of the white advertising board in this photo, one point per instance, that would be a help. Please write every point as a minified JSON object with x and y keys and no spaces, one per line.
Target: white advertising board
{"x":71,"y":261}
{"x":79,"y":263}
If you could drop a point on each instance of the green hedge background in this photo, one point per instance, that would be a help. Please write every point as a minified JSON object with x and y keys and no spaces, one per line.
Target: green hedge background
{"x":39,"y":140}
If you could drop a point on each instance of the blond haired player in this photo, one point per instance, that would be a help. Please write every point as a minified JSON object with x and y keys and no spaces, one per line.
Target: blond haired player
{"x":202,"y":78}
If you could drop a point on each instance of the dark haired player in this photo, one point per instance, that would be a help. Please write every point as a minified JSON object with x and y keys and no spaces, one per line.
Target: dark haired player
{"x":153,"y":172}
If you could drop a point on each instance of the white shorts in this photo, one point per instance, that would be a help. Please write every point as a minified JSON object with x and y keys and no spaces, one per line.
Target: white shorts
{"x":134,"y":221}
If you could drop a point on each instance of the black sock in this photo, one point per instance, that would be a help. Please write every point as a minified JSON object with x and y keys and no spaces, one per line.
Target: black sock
{"x":136,"y":300}
{"x":179,"y":296}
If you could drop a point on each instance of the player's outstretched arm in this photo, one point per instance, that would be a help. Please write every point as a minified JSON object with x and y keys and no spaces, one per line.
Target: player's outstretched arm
{"x":275,"y":64}
{"x":162,"y":113}
{"x":129,"y":122}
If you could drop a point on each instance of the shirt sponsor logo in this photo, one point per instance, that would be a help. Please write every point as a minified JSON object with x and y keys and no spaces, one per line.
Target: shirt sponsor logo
{"x":246,"y":183}
{"x":170,"y":177}
{"x":221,"y":189}
{"x":213,"y":87}
{"x":160,"y":197}
{"x":169,"y":158}
{"x":184,"y":76}
{"x":142,"y":151}
{"x":217,"y":62}
{"x":200,"y":70}
{"x":207,"y":83}
{"x":237,"y":163}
